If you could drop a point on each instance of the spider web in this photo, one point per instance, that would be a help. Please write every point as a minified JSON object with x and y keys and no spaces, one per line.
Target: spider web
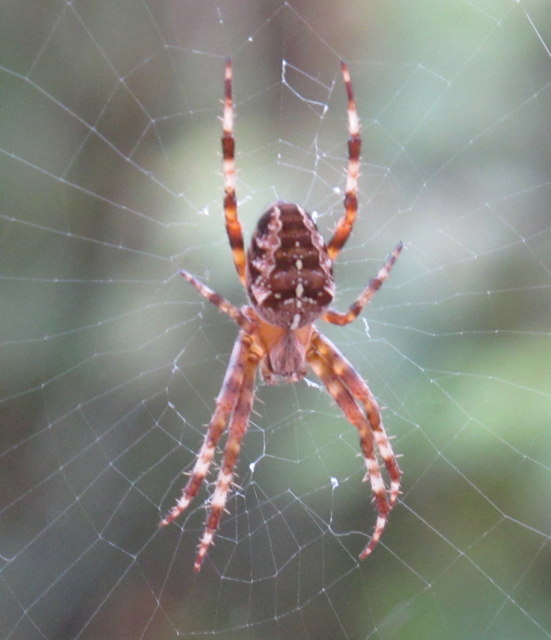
{"x":109,"y":146}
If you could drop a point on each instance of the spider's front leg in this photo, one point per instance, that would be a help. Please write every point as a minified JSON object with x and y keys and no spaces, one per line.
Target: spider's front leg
{"x":346,"y":387}
{"x":227,"y":399}
{"x":236,"y":431}
{"x":360,"y":390}
{"x":345,"y":224}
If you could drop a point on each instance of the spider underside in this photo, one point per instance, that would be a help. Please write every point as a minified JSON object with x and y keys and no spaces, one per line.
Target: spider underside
{"x":288,"y":275}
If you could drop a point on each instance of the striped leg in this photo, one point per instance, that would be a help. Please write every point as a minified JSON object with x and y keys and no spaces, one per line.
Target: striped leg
{"x":227,"y":398}
{"x":217,"y":300}
{"x":236,"y":431}
{"x":344,"y":398}
{"x":345,"y":224}
{"x":233,"y":226}
{"x":334,"y":317}
{"x":346,"y":373}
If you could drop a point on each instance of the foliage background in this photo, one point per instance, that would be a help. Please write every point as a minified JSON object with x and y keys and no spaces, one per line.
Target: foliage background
{"x":110,"y":183}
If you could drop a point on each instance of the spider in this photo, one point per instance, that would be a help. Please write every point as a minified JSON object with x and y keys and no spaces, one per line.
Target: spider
{"x":288,"y":276}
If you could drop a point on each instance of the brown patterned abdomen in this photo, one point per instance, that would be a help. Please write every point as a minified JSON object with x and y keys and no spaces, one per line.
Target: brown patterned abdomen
{"x":289,"y":274}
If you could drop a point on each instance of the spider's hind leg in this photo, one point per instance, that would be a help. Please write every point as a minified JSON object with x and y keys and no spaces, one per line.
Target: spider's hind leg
{"x":345,"y":224}
{"x":233,"y":226}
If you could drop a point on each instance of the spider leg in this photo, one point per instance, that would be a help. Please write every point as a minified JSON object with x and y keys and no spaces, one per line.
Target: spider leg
{"x":342,"y":368}
{"x":217,"y":300}
{"x":345,"y":224}
{"x":233,"y":226}
{"x":236,"y":431}
{"x":334,"y":317}
{"x":344,"y":398}
{"x":233,"y":381}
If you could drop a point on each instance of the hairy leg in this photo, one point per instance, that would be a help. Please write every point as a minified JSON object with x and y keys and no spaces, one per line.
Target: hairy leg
{"x":227,"y":398}
{"x":236,"y":431}
{"x":345,"y":224}
{"x":359,"y":389}
{"x":216,"y":299}
{"x":345,"y":400}
{"x":334,"y":317}
{"x":233,"y":226}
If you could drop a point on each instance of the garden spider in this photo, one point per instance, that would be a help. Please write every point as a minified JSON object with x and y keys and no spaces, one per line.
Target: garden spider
{"x":288,"y":275}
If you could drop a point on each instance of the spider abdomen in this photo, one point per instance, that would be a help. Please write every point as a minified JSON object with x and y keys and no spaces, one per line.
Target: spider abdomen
{"x":289,"y":273}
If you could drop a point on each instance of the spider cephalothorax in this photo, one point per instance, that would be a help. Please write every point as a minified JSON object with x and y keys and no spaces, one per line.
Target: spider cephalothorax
{"x":288,"y":275}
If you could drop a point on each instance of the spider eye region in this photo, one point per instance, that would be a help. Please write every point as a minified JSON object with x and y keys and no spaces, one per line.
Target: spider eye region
{"x":286,"y":359}
{"x":289,"y":272}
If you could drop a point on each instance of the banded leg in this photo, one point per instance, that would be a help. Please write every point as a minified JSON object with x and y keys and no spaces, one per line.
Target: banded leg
{"x":334,"y":317}
{"x":227,"y":398}
{"x":345,"y":400}
{"x":236,"y":431}
{"x":233,"y":226}
{"x":216,"y":299}
{"x":345,"y":224}
{"x":342,"y":369}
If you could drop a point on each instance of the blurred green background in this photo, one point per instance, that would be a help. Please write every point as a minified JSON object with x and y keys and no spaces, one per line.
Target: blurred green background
{"x":110,"y":182}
